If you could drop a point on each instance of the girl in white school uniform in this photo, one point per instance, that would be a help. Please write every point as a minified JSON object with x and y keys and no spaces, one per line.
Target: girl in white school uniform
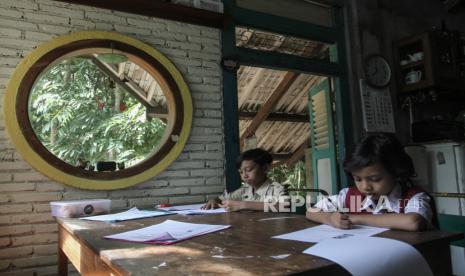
{"x":383,"y":194}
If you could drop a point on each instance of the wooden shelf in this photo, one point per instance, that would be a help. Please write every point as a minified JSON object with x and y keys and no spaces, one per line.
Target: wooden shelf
{"x":439,"y":93}
{"x":440,"y":66}
{"x":160,"y":9}
{"x":451,"y":96}
{"x":422,"y":84}
{"x":412,"y":65}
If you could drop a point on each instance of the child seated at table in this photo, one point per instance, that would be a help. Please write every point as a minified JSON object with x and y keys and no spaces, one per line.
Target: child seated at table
{"x":257,"y":188}
{"x":383,"y":194}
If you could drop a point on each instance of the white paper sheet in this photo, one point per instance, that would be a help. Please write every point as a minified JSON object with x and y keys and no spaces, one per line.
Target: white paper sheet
{"x":132,"y":213}
{"x":167,"y":232}
{"x":372,"y":256}
{"x":193,"y":209}
{"x":201,"y":211}
{"x":323,"y":232}
{"x":183,"y":207}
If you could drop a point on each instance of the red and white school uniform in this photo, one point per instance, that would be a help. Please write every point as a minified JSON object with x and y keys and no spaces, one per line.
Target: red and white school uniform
{"x":414,"y":200}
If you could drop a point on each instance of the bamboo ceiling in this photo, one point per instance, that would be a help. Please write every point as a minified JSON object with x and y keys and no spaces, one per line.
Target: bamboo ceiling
{"x":272,"y":104}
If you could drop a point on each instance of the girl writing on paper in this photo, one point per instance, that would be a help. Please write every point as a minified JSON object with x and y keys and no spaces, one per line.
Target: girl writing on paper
{"x":383,"y":194}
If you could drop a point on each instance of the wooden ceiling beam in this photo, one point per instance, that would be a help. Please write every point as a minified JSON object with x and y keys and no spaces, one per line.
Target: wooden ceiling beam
{"x":157,"y":112}
{"x":266,"y":108}
{"x":279,"y":159}
{"x":280,"y":117}
{"x":280,"y":156}
{"x":125,"y":83}
{"x":132,"y":87}
{"x":160,"y":9}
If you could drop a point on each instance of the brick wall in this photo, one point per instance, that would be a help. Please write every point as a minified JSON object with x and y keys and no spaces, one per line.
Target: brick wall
{"x":28,"y":234}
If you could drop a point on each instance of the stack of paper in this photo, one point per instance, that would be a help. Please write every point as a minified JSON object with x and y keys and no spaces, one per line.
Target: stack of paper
{"x":193,"y":209}
{"x":132,"y":213}
{"x":167,"y":232}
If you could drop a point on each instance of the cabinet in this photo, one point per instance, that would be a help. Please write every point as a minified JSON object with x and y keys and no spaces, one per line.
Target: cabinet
{"x":434,"y":60}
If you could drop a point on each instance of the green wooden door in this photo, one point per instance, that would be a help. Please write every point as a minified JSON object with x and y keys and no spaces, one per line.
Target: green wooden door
{"x":322,"y":137}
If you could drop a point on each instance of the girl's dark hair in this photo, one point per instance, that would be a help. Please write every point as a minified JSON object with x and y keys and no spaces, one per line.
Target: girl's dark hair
{"x":259,"y":156}
{"x":381,"y":148}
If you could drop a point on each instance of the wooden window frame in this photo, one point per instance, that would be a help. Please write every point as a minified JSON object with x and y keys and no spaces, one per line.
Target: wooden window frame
{"x":34,"y":152}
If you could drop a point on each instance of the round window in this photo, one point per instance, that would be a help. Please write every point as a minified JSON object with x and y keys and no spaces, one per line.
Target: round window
{"x":98,"y":110}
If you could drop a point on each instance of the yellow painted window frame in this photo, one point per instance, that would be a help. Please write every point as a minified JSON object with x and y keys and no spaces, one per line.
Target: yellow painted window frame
{"x":41,"y":165}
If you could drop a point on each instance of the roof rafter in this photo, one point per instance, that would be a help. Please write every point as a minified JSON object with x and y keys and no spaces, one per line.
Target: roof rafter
{"x":125,"y":82}
{"x":119,"y":77}
{"x":267,"y":107}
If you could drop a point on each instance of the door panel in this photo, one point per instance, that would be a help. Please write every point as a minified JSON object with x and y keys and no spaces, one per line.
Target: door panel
{"x":322,"y":137}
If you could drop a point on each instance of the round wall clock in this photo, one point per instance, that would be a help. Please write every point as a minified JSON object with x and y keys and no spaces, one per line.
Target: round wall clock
{"x":377,"y":71}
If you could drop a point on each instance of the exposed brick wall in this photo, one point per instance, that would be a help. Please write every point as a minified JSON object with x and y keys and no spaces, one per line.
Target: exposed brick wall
{"x":28,"y":234}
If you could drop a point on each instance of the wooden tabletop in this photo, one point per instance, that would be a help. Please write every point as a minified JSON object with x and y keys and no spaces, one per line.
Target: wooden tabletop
{"x":246,"y":248}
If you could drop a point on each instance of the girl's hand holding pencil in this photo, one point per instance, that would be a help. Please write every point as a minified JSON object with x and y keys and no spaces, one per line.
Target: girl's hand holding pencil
{"x":339,"y":219}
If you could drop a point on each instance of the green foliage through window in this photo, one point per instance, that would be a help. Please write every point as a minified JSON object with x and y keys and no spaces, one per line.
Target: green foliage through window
{"x":291,"y":177}
{"x":79,"y":114}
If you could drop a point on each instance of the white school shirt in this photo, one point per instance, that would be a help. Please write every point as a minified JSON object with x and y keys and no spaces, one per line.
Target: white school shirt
{"x":266,"y":192}
{"x":419,"y":203}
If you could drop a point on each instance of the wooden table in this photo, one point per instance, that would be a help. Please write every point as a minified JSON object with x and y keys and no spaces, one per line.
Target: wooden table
{"x":244,"y":249}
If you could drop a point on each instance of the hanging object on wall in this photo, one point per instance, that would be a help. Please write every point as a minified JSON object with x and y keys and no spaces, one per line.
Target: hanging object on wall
{"x":377,"y":71}
{"x":229,"y":64}
{"x":377,"y":110}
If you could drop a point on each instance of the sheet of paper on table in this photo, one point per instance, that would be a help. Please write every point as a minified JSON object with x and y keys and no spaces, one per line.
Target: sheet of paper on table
{"x":132,"y":213}
{"x":183,"y":207}
{"x":167,"y":232}
{"x":368,"y":256}
{"x":192,"y":209}
{"x":323,"y":232}
{"x":201,"y":211}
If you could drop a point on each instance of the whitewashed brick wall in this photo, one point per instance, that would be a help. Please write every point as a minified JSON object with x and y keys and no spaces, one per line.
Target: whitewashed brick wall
{"x":28,"y":234}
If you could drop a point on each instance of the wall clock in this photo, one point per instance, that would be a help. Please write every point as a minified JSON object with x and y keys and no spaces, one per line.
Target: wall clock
{"x":377,"y":71}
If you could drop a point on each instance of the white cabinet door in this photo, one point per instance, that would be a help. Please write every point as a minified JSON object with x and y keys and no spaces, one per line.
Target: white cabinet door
{"x":443,"y":169}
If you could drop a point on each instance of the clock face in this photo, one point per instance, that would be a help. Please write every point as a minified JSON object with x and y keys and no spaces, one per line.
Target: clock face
{"x":377,"y":71}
